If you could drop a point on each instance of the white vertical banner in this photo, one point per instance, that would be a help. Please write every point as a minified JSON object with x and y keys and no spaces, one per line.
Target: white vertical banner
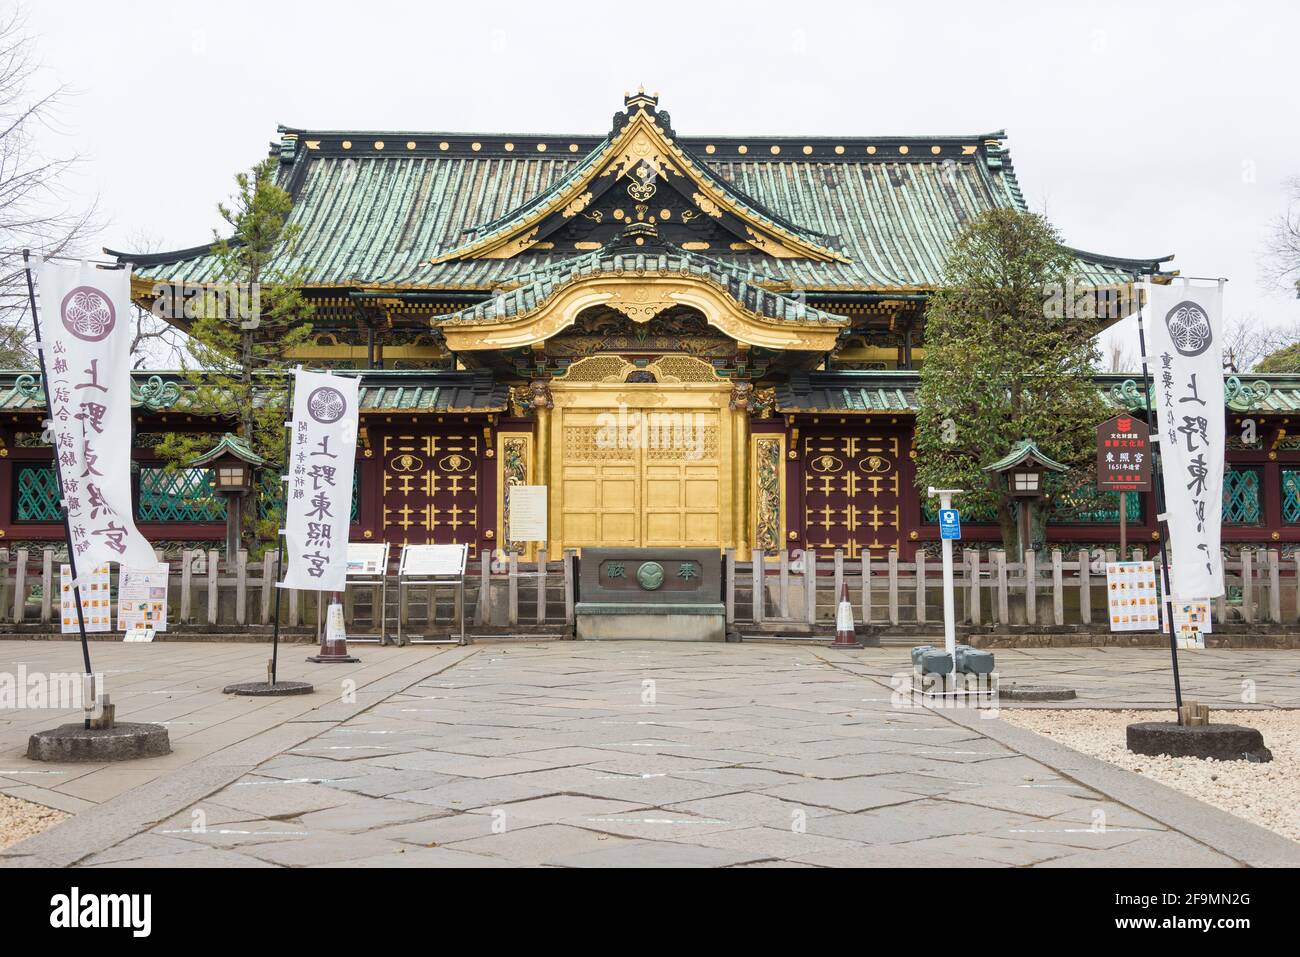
{"x":318,"y":498}
{"x":86,"y":344}
{"x":1184,"y":334}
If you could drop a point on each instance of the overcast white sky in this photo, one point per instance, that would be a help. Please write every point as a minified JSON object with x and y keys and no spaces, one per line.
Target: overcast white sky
{"x":1140,"y":128}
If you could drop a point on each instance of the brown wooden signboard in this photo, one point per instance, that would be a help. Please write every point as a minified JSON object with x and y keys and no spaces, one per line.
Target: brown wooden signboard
{"x":1123,"y":455}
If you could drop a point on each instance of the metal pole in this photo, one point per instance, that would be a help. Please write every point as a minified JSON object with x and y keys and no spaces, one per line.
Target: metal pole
{"x":1157,"y":472}
{"x":58,"y":471}
{"x":1123,"y":524}
{"x":949,"y":603}
{"x":279,"y":567}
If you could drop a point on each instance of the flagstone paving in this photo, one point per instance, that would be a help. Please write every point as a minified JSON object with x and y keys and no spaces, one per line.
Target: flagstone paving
{"x":613,"y":754}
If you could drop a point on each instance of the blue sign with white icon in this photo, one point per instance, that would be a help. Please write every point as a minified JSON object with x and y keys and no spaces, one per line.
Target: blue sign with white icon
{"x":949,"y":524}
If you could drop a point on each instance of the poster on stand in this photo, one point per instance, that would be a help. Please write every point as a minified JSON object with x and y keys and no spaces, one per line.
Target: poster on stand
{"x":1131,"y":596}
{"x":96,"y":601}
{"x":142,"y":598}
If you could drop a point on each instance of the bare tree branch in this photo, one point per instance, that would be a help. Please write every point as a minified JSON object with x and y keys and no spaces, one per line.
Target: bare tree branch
{"x":36,"y":210}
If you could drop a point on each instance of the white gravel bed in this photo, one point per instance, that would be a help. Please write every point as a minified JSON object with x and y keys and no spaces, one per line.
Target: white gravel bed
{"x":21,"y":819}
{"x":1266,"y":794}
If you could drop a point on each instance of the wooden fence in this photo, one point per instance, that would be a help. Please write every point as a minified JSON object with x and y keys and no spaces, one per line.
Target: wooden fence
{"x":513,"y":596}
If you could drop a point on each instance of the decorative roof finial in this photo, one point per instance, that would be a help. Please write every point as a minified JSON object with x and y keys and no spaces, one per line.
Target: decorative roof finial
{"x":641,"y":100}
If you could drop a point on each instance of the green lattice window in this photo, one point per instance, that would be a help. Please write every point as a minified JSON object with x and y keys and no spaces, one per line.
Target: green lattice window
{"x":270,"y":497}
{"x":1291,"y":496}
{"x":1087,"y":506}
{"x":36,"y":496}
{"x":183,"y":495}
{"x":1241,"y":496}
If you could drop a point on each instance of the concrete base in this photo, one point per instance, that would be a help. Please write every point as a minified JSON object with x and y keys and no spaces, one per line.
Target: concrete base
{"x":264,"y":689}
{"x":1035,"y":693}
{"x":1223,"y":742}
{"x":122,"y":742}
{"x":663,"y":622}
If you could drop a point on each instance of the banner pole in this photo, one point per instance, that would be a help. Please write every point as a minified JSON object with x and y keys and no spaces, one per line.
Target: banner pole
{"x":279,"y":567}
{"x":1123,"y":526}
{"x":58,"y":471}
{"x":1157,"y":473}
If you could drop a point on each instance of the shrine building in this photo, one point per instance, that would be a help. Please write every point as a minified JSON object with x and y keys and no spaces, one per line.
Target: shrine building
{"x":690,"y":341}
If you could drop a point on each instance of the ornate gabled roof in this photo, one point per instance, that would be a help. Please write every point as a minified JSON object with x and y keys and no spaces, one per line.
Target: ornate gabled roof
{"x":640,"y":153}
{"x":420,"y":211}
{"x":655,"y":260}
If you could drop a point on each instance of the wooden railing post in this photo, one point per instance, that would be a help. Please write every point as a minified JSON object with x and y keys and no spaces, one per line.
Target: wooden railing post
{"x":920,"y":585}
{"x":483,"y":614}
{"x":974,"y":563}
{"x":20,"y":586}
{"x":512,"y":590}
{"x":1085,"y":587}
{"x":810,"y":582}
{"x":268,"y":585}
{"x":214,"y":559}
{"x":1058,"y":588}
{"x":47,"y":586}
{"x":730,"y":568}
{"x":783,"y":585}
{"x":1004,"y":598}
{"x":569,"y":586}
{"x":893,"y":586}
{"x":1031,"y":587}
{"x":241,"y":587}
{"x":1274,"y":587}
{"x":839,"y":577}
{"x":1247,"y":586}
{"x":541,"y":586}
{"x":866,"y":586}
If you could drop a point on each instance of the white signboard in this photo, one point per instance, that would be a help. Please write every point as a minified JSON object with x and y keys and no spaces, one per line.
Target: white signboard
{"x":318,"y":499}
{"x":1184,"y":344}
{"x":86,"y":347}
{"x":526,"y":507}
{"x":433,"y":561}
{"x":1131,"y":596}
{"x":142,"y":598}
{"x":96,"y":600}
{"x":367,"y":560}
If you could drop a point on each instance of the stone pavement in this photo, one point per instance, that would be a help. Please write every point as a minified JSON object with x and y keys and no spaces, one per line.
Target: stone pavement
{"x":652,"y":754}
{"x":178,"y":685}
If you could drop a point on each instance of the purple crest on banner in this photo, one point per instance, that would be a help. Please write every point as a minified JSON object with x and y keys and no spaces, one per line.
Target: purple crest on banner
{"x":326,"y":405}
{"x":1189,"y":328}
{"x":88,"y":314}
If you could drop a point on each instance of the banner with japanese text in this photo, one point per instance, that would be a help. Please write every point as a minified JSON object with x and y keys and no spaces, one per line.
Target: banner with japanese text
{"x":318,"y":497}
{"x":1185,"y":349}
{"x":86,"y":344}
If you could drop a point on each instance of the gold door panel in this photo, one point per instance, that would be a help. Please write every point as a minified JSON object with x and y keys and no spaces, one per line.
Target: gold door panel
{"x":641,"y":467}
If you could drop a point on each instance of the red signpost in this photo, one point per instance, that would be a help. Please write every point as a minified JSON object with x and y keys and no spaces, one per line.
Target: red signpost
{"x":1123,"y":464}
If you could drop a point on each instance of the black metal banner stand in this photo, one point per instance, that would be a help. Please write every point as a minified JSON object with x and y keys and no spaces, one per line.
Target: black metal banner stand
{"x":58,"y":474}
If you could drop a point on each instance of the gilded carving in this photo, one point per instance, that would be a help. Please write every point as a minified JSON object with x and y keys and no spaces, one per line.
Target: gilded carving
{"x":641,"y":302}
{"x":767,"y":493}
{"x":514,"y":471}
{"x":707,"y":206}
{"x":577,"y":205}
{"x":741,"y":393}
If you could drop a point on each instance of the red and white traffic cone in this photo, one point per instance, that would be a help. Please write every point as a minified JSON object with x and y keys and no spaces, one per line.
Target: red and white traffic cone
{"x":845,"y":636}
{"x":334,"y":643}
